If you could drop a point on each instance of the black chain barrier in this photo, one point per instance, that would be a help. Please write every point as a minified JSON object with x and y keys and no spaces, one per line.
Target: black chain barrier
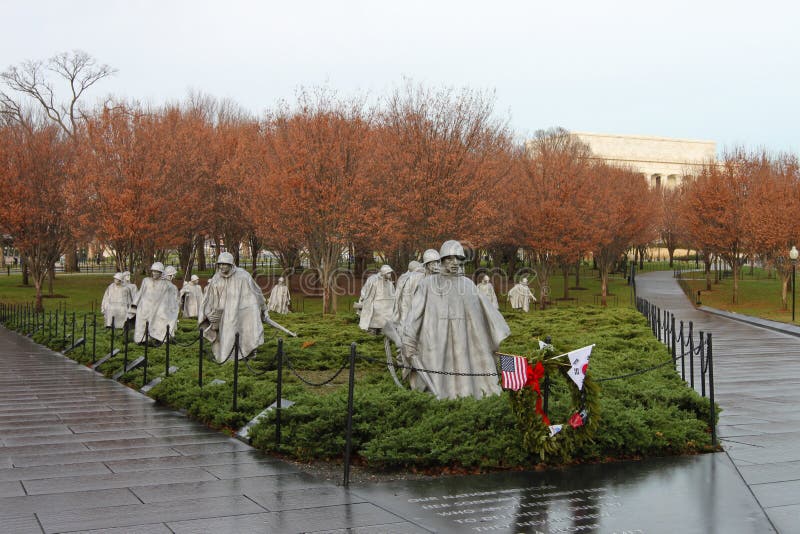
{"x":418,"y":369}
{"x":314,"y":384}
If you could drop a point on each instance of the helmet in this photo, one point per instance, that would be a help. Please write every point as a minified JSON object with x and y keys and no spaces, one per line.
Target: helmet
{"x":429,"y":256}
{"x":170,"y":271}
{"x":280,"y":279}
{"x":485,"y":278}
{"x":225,"y":257}
{"x":126,"y":275}
{"x":119,"y":276}
{"x":452,"y":248}
{"x":386,"y":269}
{"x":157,"y":266}
{"x":413,"y":265}
{"x":194,"y":278}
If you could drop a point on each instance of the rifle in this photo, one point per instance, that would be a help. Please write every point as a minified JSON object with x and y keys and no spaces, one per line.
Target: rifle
{"x":273,"y":324}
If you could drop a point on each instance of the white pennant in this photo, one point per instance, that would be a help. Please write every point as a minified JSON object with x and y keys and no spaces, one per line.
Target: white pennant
{"x":579,"y":360}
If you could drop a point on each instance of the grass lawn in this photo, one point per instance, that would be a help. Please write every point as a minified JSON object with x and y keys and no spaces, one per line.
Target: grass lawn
{"x":759,"y":295}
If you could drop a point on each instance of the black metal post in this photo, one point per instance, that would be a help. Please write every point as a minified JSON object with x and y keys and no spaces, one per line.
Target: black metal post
{"x":702,"y":365}
{"x":691,"y":355}
{"x":73,"y":329}
{"x":348,"y":439}
{"x":672,"y":335}
{"x":794,"y":268}
{"x":683,"y":355}
{"x":146,"y":343}
{"x":113,"y":332}
{"x":94,"y":338}
{"x":166,"y":373}
{"x":200,"y":361}
{"x":65,"y":325}
{"x":712,"y":410}
{"x":658,"y":324}
{"x":125,"y":336}
{"x":546,"y":401}
{"x":235,"y":369}
{"x":279,"y":393}
{"x":56,"y":331}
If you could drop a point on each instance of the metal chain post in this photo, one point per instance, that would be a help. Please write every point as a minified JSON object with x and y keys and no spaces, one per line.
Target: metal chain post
{"x":146,"y":343}
{"x":166,"y":372}
{"x":200,"y":360}
{"x":712,"y":410}
{"x":235,"y":369}
{"x":349,"y":430}
{"x":279,"y":393}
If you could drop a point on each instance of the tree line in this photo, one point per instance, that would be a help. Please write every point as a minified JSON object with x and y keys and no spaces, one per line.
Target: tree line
{"x":326,"y":175}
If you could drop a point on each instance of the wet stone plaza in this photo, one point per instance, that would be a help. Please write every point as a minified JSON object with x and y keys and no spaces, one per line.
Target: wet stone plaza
{"x":698,"y":494}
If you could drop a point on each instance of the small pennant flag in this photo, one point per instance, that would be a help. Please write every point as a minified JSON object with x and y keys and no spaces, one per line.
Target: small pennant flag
{"x":514,"y":371}
{"x":543,"y":345}
{"x":579,"y":360}
{"x":555,"y":429}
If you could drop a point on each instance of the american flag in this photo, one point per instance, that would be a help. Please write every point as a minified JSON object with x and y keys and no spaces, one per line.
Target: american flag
{"x":513,"y":370}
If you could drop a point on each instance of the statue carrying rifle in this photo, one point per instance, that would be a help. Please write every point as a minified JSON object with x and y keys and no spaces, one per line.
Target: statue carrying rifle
{"x":233,"y":303}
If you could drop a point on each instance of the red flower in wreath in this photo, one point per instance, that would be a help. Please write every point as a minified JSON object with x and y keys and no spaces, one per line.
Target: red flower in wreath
{"x":576,"y":420}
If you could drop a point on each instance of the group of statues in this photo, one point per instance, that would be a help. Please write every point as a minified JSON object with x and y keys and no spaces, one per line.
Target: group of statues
{"x":446,"y":327}
{"x":231,"y":303}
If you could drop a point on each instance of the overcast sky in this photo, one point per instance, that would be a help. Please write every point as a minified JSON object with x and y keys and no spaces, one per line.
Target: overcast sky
{"x":726,"y":71}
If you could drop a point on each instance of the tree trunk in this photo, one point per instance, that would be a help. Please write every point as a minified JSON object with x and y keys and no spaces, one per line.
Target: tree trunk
{"x":565,"y":274}
{"x":578,"y":274}
{"x":785,"y":279}
{"x":671,"y":252}
{"x":707,"y":262}
{"x":736,"y":268}
{"x":71,"y":260}
{"x":51,"y":275}
{"x":603,"y":286}
{"x":25,"y":272}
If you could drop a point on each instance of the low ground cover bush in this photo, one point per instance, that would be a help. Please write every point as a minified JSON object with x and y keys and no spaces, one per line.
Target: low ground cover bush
{"x":653,"y":413}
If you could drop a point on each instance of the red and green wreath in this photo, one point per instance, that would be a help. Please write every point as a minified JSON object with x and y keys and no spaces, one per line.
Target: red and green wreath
{"x":572,"y":421}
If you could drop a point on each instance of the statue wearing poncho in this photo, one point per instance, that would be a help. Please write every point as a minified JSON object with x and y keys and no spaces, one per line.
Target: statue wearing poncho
{"x":450,"y":328}
{"x":155,"y":306}
{"x":377,"y":300}
{"x":192,"y":296}
{"x":116,"y":301}
{"x":232,"y":304}
{"x":279,"y":298}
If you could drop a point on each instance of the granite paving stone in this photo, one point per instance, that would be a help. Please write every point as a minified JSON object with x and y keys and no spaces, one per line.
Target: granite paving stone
{"x":251,"y":487}
{"x":53,"y":471}
{"x":77,"y":501}
{"x":153,"y":528}
{"x":11,"y":489}
{"x":116,"y":480}
{"x":201,"y":460}
{"x":26,"y":524}
{"x":135,"y":514}
{"x":93,"y":456}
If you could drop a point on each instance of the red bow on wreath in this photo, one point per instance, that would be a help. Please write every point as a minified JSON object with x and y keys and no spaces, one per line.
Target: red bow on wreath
{"x":534,"y":374}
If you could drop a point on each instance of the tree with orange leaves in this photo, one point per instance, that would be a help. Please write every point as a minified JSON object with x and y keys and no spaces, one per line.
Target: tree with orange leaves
{"x":140,"y":175}
{"x":715,"y":210}
{"x":554,"y":200}
{"x":775,"y":182}
{"x":621,"y":215}
{"x":35,"y":174}
{"x":441,"y":163}
{"x":311,"y":188}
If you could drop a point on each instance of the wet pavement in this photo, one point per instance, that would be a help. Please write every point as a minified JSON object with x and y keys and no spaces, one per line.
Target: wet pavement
{"x":81,"y":453}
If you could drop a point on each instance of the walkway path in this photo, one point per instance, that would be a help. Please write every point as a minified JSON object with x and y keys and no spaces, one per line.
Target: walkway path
{"x":80,"y":452}
{"x":757,"y":384}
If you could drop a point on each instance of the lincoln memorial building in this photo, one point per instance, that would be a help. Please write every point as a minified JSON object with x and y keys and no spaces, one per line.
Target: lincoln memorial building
{"x":662,"y":161}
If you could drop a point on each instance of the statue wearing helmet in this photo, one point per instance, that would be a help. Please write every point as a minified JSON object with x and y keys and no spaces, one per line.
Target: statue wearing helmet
{"x":116,"y":301}
{"x":486,"y":289}
{"x":454,"y":331}
{"x":431,"y":261}
{"x":191,"y":297}
{"x":520,"y":296}
{"x":279,"y":297}
{"x":233,"y":304}
{"x":377,"y":300}
{"x":155,"y":307}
